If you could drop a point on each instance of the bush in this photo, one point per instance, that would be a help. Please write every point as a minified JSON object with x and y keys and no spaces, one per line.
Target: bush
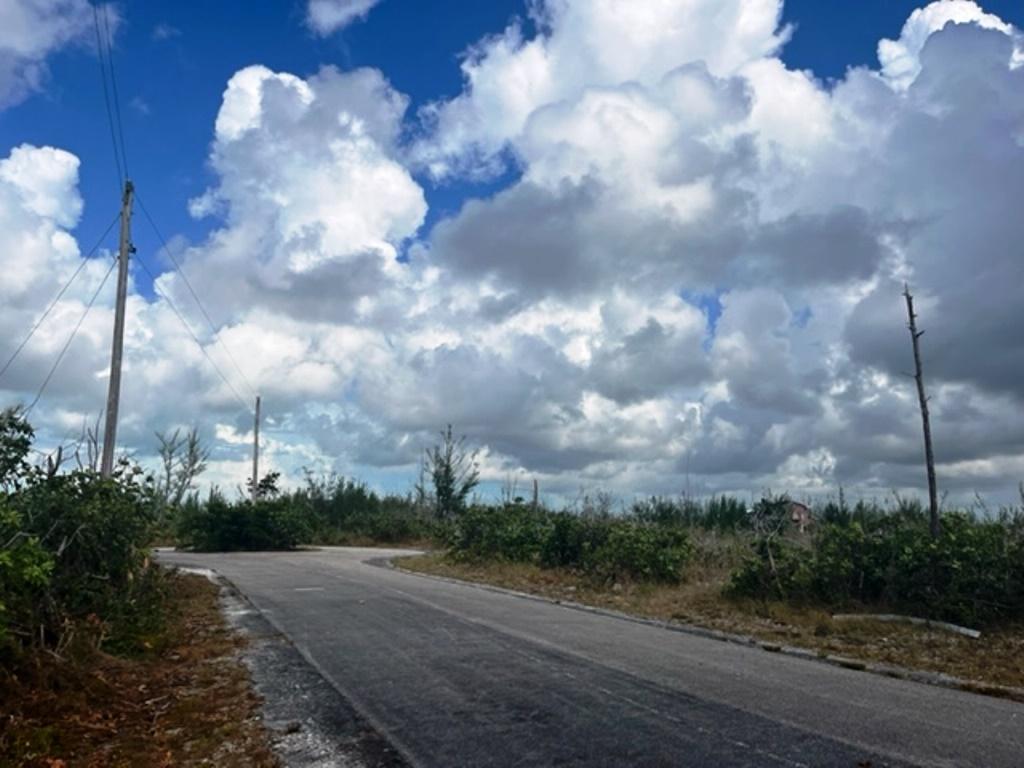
{"x":95,"y":532}
{"x":973,"y":573}
{"x":512,"y":532}
{"x":605,"y":548}
{"x":25,"y":569}
{"x":573,"y":541}
{"x":343,"y":511}
{"x":719,"y":513}
{"x":775,"y":569}
{"x":641,"y":552}
{"x":218,"y":525}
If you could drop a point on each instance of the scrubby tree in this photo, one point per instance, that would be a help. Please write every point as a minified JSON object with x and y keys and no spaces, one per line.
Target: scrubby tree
{"x":268,"y":487}
{"x":184,"y":458}
{"x":15,"y":443}
{"x":454,"y":472}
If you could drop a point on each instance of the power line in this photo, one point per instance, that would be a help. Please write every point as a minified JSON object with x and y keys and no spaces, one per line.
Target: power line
{"x":113,"y":84}
{"x":195,"y":338}
{"x":106,"y":97}
{"x":39,"y":322}
{"x":71,"y":338}
{"x":195,"y":296}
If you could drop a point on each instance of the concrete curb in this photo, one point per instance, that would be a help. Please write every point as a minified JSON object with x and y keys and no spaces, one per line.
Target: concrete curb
{"x":937,"y":679}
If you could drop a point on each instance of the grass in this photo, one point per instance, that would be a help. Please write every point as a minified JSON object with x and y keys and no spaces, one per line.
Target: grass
{"x":186,"y":702}
{"x":997,"y":658}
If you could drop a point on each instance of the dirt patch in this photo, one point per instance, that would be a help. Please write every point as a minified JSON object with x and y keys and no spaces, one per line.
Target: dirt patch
{"x":997,"y":658}
{"x":189,"y":702}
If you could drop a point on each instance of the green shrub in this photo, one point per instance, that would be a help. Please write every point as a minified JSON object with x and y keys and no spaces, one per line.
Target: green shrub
{"x":512,"y":532}
{"x":572,"y":541}
{"x":345,"y":511}
{"x":641,"y":552}
{"x":973,"y":573}
{"x":775,"y":569}
{"x":219,"y":525}
{"x":25,"y":569}
{"x":96,"y":533}
{"x":605,"y":548}
{"x":719,"y":513}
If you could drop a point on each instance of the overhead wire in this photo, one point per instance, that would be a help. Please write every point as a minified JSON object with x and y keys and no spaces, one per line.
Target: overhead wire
{"x":106,"y":97}
{"x":113,"y":86}
{"x":67,"y":344}
{"x":195,"y":338}
{"x":57,"y":298}
{"x":191,"y":290}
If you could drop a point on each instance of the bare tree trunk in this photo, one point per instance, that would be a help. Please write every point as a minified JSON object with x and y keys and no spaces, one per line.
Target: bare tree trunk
{"x":929,"y":456}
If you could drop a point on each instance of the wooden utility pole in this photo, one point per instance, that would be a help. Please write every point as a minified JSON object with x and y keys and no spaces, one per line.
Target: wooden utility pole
{"x":929,"y":456}
{"x":256,"y":454}
{"x":114,"y":387}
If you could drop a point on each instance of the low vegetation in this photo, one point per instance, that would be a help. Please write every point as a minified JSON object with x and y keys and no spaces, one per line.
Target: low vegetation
{"x":106,"y":658}
{"x":76,"y":578}
{"x":185,"y":700}
{"x":972,"y":573}
{"x":864,"y":558}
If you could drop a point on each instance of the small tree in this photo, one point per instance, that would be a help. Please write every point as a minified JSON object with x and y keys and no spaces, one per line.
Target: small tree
{"x":268,"y":488}
{"x":454,"y":472}
{"x":15,"y":442}
{"x":184,"y":458}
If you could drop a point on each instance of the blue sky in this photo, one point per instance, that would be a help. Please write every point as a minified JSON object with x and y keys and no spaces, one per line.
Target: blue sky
{"x":667,"y":170}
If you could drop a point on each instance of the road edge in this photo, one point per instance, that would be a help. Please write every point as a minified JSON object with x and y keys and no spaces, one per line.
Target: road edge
{"x":235,"y":593}
{"x":937,"y":679}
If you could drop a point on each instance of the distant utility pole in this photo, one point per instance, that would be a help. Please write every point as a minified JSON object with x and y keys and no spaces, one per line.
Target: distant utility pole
{"x":929,"y":456}
{"x":256,"y":454}
{"x":114,"y":388}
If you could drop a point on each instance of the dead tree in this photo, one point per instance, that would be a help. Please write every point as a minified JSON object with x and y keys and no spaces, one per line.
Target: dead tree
{"x":929,"y":455}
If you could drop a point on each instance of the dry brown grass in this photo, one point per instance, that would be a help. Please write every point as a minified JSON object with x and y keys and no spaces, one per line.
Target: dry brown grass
{"x":997,"y":658}
{"x":190,"y":704}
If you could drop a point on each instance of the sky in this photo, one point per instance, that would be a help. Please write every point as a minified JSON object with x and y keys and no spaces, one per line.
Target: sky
{"x":633,"y":247}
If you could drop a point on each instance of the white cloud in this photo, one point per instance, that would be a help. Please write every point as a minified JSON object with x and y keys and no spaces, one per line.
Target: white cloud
{"x":900,"y":59}
{"x":696,"y":273}
{"x":586,"y":45}
{"x":328,"y":16}
{"x":30,"y":30}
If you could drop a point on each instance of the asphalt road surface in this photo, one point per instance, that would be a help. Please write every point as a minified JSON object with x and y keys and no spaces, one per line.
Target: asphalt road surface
{"x":456,"y":675}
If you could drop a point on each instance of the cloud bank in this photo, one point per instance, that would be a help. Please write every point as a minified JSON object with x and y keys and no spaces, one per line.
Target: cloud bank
{"x":694,"y":278}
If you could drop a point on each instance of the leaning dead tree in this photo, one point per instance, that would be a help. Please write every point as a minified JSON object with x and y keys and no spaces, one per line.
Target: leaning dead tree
{"x":922,"y":398}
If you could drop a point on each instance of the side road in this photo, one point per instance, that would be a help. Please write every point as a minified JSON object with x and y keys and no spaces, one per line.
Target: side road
{"x":457,"y":675}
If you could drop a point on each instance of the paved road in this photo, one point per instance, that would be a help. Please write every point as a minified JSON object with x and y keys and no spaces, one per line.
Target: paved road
{"x":454,"y":675}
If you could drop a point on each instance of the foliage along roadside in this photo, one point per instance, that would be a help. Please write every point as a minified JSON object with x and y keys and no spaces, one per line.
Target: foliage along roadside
{"x":74,"y":557}
{"x":973,"y":573}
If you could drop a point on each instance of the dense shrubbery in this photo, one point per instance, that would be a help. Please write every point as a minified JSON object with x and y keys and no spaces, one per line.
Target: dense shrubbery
{"x":73,"y":551}
{"x":973,"y":573}
{"x":328,"y":510}
{"x":220,"y":525}
{"x":606,"y":548}
{"x":344,"y":511}
{"x":719,"y":513}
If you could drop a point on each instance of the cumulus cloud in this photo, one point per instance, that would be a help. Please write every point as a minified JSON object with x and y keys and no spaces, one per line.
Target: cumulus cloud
{"x":900,"y":59}
{"x":695,"y":273}
{"x":30,"y":30}
{"x":326,"y":17}
{"x":581,"y":46}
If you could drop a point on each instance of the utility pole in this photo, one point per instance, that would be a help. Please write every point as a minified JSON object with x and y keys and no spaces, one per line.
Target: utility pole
{"x":256,"y":454}
{"x":929,"y":456}
{"x":114,"y":388}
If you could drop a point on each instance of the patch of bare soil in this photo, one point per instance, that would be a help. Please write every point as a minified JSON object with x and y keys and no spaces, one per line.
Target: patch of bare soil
{"x":189,"y":703}
{"x":996,"y":658}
